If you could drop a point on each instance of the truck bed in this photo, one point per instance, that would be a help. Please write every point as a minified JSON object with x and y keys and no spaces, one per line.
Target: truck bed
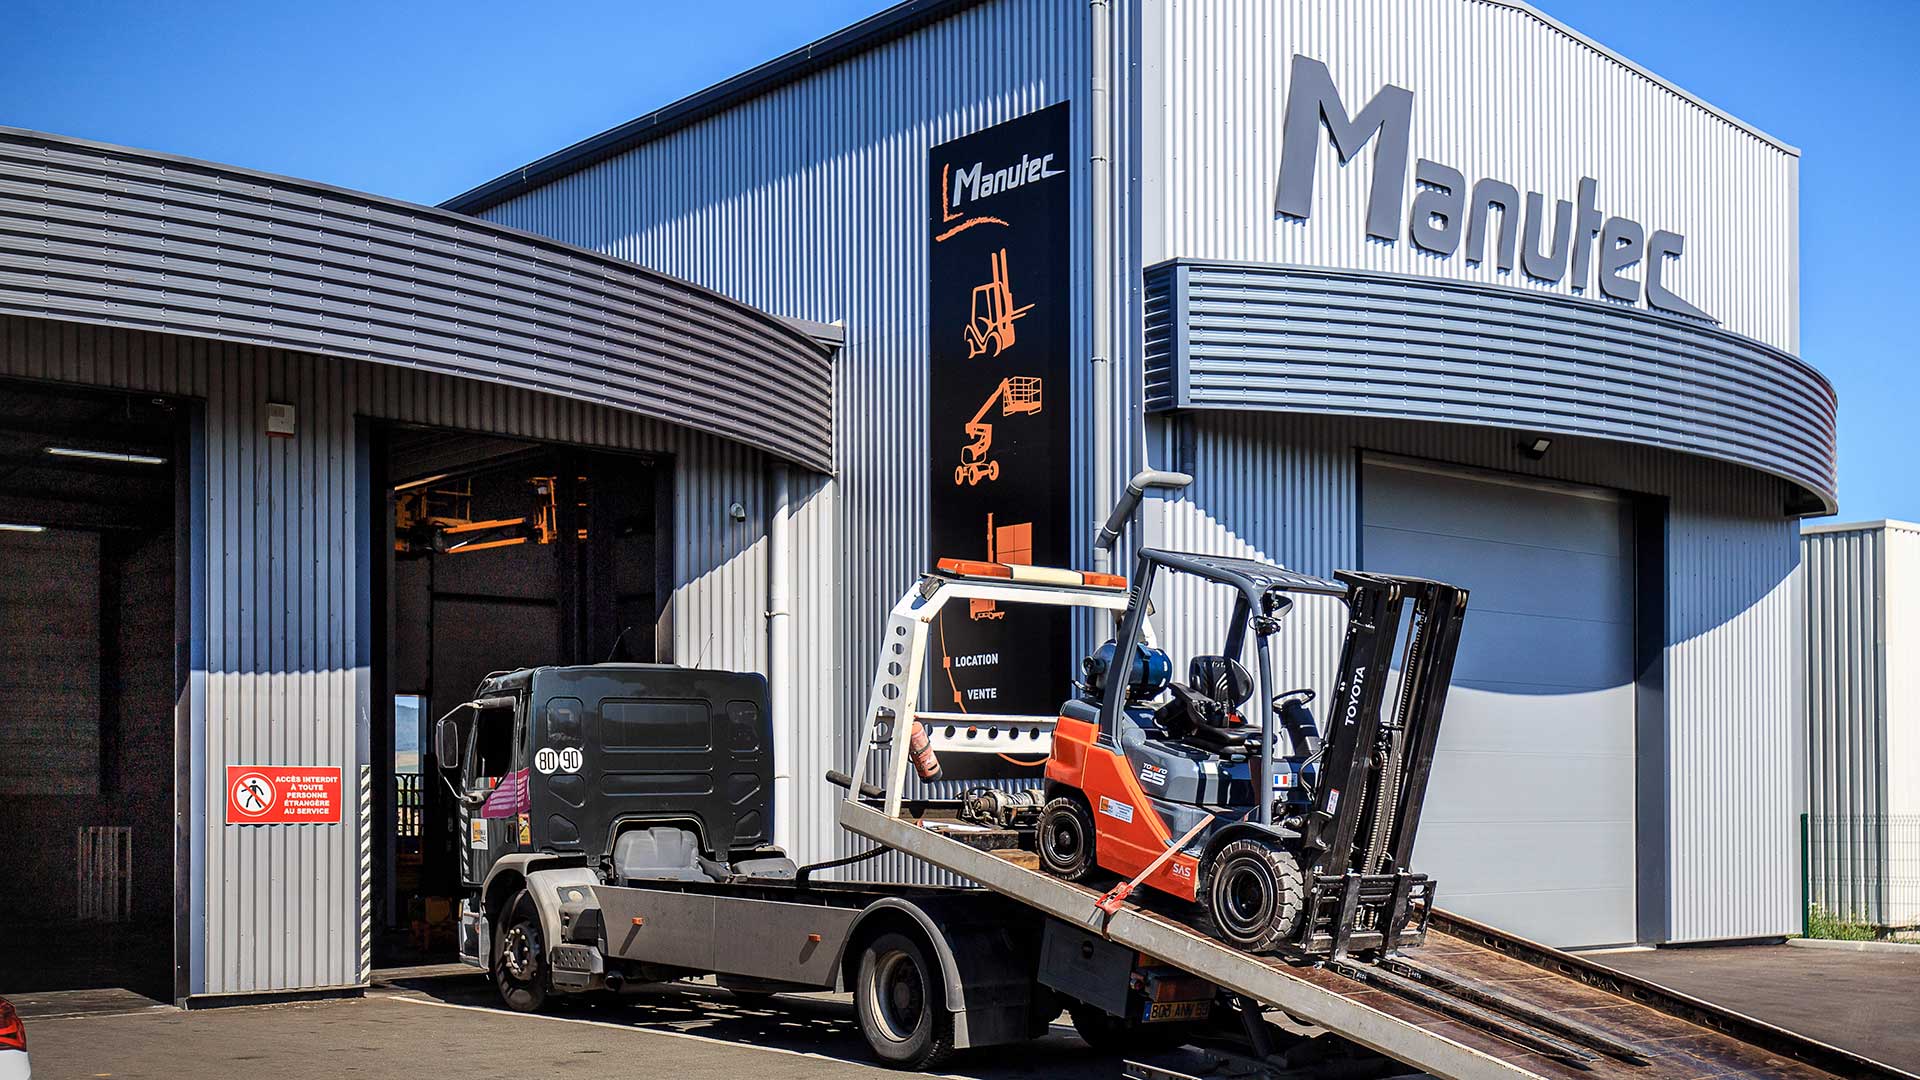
{"x":1668,"y":1034}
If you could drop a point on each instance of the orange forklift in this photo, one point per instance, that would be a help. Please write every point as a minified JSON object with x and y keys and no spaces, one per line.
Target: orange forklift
{"x":1225,"y":791}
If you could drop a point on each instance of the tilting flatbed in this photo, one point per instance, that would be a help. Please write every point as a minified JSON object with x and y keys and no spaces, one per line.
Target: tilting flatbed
{"x":1672,"y":1035}
{"x":1447,"y":996}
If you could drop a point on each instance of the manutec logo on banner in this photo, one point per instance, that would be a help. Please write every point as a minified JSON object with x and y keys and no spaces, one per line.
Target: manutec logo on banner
{"x":975,"y":182}
{"x":972,"y":183}
{"x":1445,"y":206}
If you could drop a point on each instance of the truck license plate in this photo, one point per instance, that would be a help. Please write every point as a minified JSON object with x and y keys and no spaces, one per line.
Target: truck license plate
{"x":1158,"y":1011}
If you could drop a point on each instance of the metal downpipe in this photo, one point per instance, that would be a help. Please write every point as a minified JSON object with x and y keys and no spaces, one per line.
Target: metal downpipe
{"x":1100,"y":213}
{"x":780,"y":652}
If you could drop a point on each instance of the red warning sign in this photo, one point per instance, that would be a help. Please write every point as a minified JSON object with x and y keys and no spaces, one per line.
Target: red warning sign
{"x":282,"y":795}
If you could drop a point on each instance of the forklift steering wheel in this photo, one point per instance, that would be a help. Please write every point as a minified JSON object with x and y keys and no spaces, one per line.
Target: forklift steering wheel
{"x":1303,"y":696}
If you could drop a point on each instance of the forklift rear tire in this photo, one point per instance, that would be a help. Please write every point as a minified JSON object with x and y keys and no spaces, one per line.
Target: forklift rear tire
{"x":520,"y":957}
{"x":1066,"y":839}
{"x":902,"y":1000}
{"x":1106,"y":1033}
{"x":1251,"y":895}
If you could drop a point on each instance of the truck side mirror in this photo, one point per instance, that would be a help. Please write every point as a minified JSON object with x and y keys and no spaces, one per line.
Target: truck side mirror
{"x":446,"y":745}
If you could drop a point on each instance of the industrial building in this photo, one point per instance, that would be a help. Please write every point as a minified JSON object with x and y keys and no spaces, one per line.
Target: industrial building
{"x":713,"y":387}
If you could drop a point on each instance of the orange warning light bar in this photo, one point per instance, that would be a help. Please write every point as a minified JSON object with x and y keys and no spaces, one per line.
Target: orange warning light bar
{"x":972,"y":568}
{"x":1038,"y":575}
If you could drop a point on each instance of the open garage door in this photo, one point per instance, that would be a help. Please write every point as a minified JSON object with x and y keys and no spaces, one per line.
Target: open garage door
{"x":502,"y":554}
{"x":87,"y":689}
{"x":1530,"y":817}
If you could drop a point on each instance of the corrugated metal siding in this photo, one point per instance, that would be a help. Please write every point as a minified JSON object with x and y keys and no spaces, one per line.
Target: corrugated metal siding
{"x":1903,"y":670}
{"x":1498,"y":92}
{"x":809,"y":202}
{"x":1845,"y":574}
{"x":284,"y":677}
{"x":1863,"y":712}
{"x":1286,"y":487}
{"x":129,"y":238}
{"x":1244,"y":336}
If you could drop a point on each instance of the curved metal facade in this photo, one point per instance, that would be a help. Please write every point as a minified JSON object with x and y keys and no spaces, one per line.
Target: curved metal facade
{"x":106,"y":235}
{"x":1225,"y":335}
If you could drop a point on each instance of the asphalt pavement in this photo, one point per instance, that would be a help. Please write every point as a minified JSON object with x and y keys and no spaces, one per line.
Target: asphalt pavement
{"x":442,"y":1024}
{"x":431,"y":1025}
{"x":1868,"y":1003}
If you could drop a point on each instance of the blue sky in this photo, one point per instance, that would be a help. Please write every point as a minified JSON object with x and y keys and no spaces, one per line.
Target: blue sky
{"x":423,"y":100}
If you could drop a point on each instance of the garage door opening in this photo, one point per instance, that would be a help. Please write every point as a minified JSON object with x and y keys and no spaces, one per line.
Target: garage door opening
{"x":501,"y":554}
{"x":1531,"y":815}
{"x":87,"y":689}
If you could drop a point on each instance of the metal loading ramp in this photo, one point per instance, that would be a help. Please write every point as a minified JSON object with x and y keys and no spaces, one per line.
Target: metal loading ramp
{"x":1470,"y":974}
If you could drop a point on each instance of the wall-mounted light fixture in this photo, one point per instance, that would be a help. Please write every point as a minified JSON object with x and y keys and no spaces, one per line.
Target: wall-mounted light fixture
{"x":1536,"y":448}
{"x":8,"y":526}
{"x":118,"y":456}
{"x":281,"y":419}
{"x":737,"y":510}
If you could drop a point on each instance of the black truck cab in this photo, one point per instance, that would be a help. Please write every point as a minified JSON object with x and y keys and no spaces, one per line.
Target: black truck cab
{"x":610,"y":764}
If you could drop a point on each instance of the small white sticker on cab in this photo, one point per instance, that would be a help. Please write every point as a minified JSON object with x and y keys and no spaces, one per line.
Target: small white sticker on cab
{"x":1119,"y":810}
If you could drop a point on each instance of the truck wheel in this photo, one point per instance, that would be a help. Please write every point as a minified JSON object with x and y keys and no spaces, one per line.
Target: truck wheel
{"x":1109,"y":1034}
{"x":520,"y":957}
{"x":1252,"y":895}
{"x":1066,"y":839}
{"x":903,"y":1004}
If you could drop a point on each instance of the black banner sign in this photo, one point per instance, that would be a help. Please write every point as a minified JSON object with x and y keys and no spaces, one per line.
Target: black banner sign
{"x":999,"y":365}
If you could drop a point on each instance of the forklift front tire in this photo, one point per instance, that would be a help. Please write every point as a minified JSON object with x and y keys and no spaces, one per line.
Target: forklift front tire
{"x":520,"y":958}
{"x":1066,"y":838}
{"x":902,"y":1001}
{"x":1251,"y":895}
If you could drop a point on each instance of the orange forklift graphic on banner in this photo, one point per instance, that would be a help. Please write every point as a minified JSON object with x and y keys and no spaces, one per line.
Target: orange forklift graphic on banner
{"x":991,"y":323}
{"x":1016,"y":395}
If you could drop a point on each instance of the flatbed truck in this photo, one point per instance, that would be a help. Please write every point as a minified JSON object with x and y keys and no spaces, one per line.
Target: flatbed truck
{"x":617,"y":830}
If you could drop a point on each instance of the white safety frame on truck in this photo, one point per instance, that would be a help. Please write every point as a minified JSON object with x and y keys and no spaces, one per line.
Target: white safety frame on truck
{"x":901,"y":672}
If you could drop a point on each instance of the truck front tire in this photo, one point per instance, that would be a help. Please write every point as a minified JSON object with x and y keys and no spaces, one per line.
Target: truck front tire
{"x":520,"y":956}
{"x":902,"y":1001}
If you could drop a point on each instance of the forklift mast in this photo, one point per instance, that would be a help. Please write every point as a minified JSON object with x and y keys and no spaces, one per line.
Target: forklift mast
{"x":1365,"y":816}
{"x":1383,"y":758}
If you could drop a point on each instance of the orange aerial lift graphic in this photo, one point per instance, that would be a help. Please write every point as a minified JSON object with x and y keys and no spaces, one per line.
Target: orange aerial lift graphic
{"x":991,"y":325}
{"x":1016,"y":395}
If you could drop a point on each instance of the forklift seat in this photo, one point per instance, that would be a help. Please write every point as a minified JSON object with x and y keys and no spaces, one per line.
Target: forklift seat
{"x":1205,"y":712}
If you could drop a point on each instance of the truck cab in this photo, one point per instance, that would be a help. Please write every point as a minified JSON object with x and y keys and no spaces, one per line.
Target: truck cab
{"x":560,"y":764}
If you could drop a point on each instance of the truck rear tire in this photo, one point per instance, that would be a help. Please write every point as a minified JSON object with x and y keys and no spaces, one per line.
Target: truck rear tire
{"x":1251,"y":894}
{"x":1065,"y":838}
{"x":520,"y":956}
{"x":902,"y":1002}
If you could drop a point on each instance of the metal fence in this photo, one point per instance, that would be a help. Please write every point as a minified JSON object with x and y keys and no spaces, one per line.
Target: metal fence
{"x":1861,"y":869}
{"x":406,"y":805}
